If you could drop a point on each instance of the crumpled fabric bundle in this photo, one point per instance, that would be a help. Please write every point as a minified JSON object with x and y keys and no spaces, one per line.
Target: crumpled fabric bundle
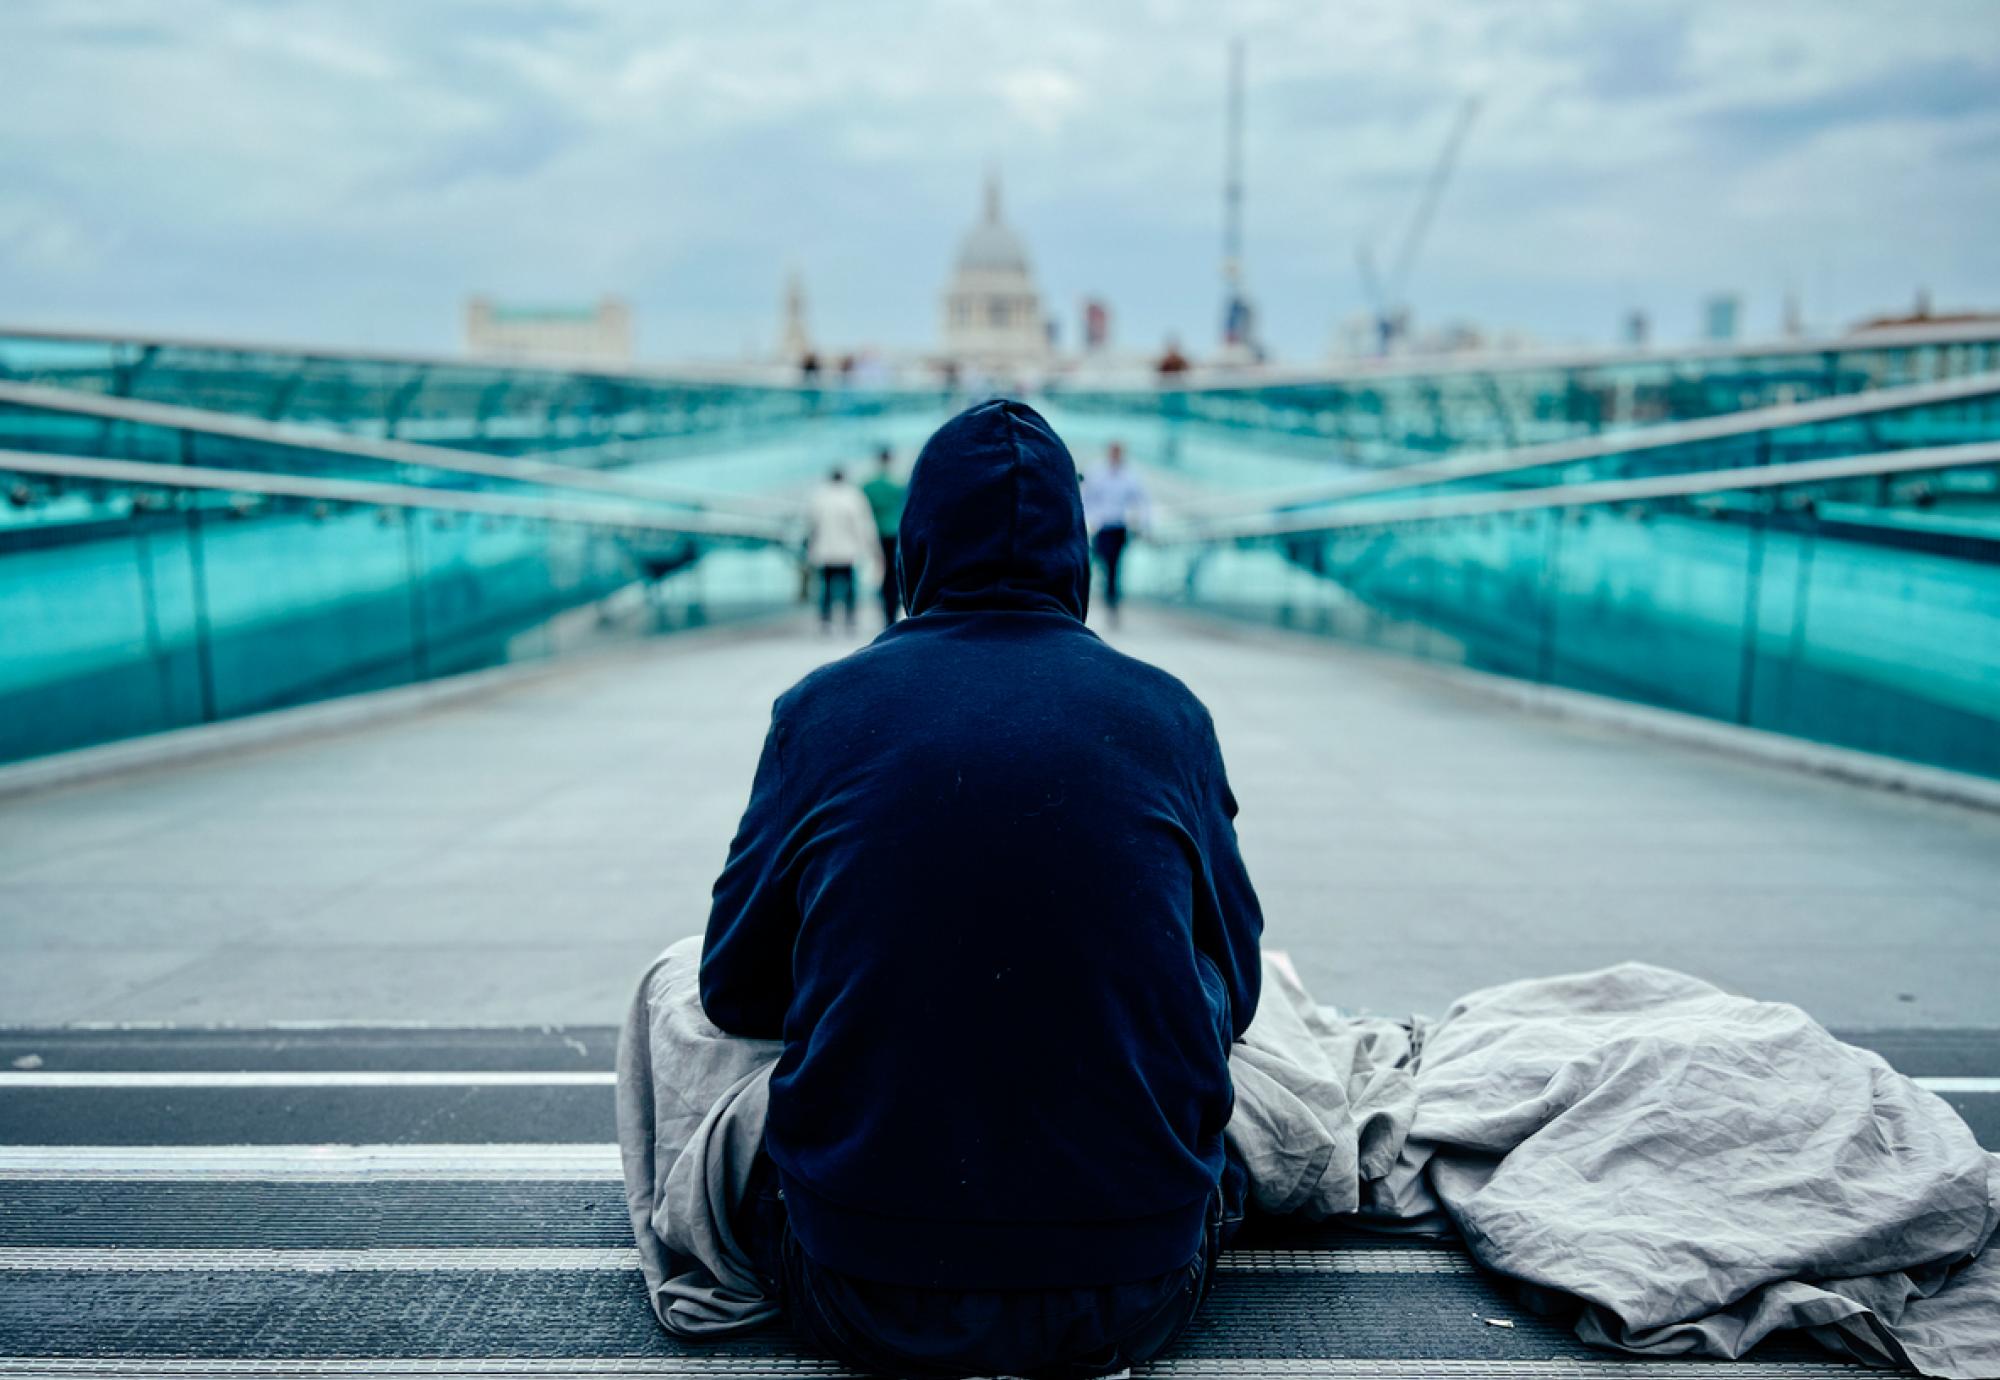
{"x":1679,"y":1170}
{"x":1689,"y":1171}
{"x":1324,"y":1103}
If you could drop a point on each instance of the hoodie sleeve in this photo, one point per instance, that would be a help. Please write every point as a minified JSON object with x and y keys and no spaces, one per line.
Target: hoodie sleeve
{"x":1229,"y":922}
{"x":753,"y":922}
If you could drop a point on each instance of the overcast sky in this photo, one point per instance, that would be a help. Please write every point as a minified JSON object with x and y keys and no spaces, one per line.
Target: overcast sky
{"x":348,"y":171}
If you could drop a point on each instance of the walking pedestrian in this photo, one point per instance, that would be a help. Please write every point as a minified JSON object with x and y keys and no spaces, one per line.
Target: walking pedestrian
{"x":842,"y":539}
{"x":885,"y":500}
{"x":1114,"y":506}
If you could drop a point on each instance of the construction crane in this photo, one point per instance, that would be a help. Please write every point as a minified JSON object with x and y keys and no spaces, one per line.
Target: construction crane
{"x":1239,"y":326}
{"x":1387,"y":297}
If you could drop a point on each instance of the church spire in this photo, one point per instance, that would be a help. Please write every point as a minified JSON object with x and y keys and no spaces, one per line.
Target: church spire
{"x":992,"y":196}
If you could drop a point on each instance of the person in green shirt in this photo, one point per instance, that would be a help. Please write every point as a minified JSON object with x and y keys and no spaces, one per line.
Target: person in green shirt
{"x":885,"y":498}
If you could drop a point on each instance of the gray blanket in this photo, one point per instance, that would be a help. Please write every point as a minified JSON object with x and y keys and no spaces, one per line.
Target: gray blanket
{"x":1683,"y":1170}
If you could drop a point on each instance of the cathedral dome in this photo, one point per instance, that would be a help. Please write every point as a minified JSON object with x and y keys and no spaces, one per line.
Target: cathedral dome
{"x":992,"y":313}
{"x":990,"y":247}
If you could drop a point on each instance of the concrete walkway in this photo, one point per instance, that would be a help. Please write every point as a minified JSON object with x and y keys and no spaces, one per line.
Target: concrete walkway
{"x":517,"y":858}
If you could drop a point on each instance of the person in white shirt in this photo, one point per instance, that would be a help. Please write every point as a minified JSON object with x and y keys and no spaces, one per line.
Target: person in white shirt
{"x":1114,"y":507}
{"x":842,"y":539}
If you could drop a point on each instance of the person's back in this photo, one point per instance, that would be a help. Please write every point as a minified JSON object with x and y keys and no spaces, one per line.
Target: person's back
{"x":885,"y":500}
{"x":988,"y":891}
{"x":840,"y":524}
{"x":840,"y":540}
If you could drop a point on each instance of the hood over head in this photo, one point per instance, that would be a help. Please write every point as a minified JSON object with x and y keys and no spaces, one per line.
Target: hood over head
{"x":994,"y":517}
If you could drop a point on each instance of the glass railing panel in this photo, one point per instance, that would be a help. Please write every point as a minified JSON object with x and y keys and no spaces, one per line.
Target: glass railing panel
{"x":1862,"y":612}
{"x":98,"y":637}
{"x":490,"y":588}
{"x":1958,"y":412}
{"x":1953,"y":422}
{"x":1402,"y":411}
{"x":131,"y":608}
{"x":302,"y":602}
{"x":1646,"y":607}
{"x":1886,"y":641}
{"x":465,"y":404}
{"x":726,"y":584}
{"x":57,"y":424}
{"x":54,"y":431}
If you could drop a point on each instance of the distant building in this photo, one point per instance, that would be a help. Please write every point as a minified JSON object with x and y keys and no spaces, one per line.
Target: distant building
{"x":1096,"y":325}
{"x":795,"y":341}
{"x":602,"y":333}
{"x":1924,"y":314}
{"x":1354,"y":336}
{"x":992,"y":312}
{"x":1794,"y":324}
{"x":1719,"y":316}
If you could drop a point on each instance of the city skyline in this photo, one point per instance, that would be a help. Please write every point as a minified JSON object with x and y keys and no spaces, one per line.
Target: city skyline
{"x":351,"y":173}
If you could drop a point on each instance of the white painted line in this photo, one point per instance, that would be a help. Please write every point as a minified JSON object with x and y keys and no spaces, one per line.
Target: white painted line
{"x":667,"y":1367}
{"x":316,"y":1260}
{"x":1959,"y":1085}
{"x":564,"y":1161}
{"x":31,"y":1079}
{"x":343,"y":1024}
{"x":687,"y":1365}
{"x":1568,"y":1368}
{"x":294,"y":1078}
{"x":1385,"y":1260}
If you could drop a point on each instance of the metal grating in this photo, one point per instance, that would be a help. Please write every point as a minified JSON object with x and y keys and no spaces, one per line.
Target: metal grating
{"x":517,"y":1260}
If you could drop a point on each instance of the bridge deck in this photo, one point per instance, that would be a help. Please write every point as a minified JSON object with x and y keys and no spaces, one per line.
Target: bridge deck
{"x":514,"y":859}
{"x":517,"y":857}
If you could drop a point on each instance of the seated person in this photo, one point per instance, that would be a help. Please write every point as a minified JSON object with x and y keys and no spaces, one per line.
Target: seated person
{"x":987,"y":891}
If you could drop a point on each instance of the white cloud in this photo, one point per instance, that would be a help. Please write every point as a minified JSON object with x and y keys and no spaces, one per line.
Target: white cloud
{"x":1041,"y":98}
{"x":350,"y":170}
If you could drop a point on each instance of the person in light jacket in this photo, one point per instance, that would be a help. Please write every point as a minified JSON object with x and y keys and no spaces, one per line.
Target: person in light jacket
{"x":1114,"y":506}
{"x":842,"y":540}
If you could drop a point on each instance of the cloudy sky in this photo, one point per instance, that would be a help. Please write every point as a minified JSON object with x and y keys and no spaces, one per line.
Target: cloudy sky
{"x":346,"y":171}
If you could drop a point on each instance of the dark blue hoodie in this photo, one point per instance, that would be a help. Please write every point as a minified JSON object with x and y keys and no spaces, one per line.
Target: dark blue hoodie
{"x":988,"y":891}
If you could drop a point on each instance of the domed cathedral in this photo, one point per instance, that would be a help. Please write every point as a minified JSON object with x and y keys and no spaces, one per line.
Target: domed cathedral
{"x":992,"y":313}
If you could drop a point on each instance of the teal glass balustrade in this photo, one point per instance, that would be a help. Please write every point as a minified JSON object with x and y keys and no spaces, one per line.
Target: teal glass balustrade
{"x":51,"y":421}
{"x":134,"y":600}
{"x":1956,"y":412}
{"x":1892,"y":419}
{"x":1394,"y":412}
{"x":1855,"y":602}
{"x":502,"y":408}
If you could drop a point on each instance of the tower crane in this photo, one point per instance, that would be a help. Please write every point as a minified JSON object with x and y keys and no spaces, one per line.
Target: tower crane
{"x":1387,"y":297}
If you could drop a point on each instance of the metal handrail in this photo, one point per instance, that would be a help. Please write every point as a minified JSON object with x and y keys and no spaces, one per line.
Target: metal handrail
{"x":147,"y":474}
{"x":1374,"y":370}
{"x":752,"y":378}
{"x":782,"y":378}
{"x":1487,"y":464}
{"x":295,"y":437}
{"x":1597,"y":493}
